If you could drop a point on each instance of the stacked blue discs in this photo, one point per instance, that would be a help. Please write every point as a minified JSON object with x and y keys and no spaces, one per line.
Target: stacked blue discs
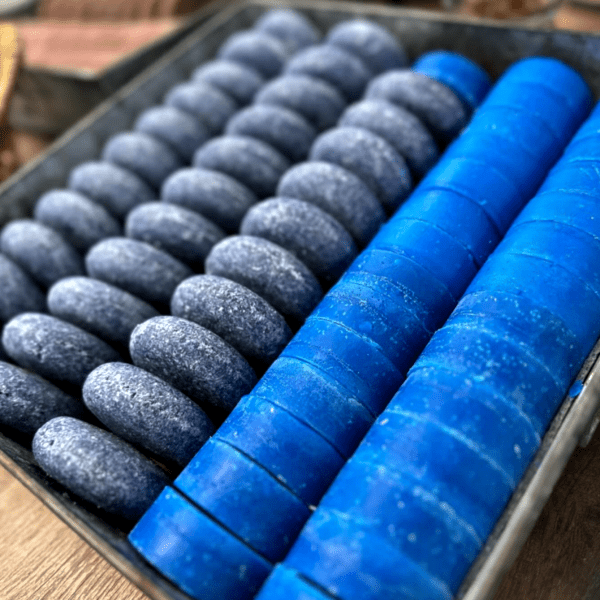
{"x":424,"y":489}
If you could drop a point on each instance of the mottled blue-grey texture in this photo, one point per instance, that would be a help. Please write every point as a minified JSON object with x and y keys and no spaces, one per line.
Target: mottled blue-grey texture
{"x":27,"y":401}
{"x":19,"y":293}
{"x":180,"y":232}
{"x":295,"y":30}
{"x":235,"y":313}
{"x":338,"y":192}
{"x":137,"y":268}
{"x":269,"y":270}
{"x":56,"y":350}
{"x":371,"y":42}
{"x":434,"y":103}
{"x":99,"y":308}
{"x":97,"y":466}
{"x":113,"y":187}
{"x":193,"y":360}
{"x":40,"y":251}
{"x":253,"y":163}
{"x":309,"y":233}
{"x":143,"y":155}
{"x":147,"y":412}
{"x":205,"y":102}
{"x":280,"y":127}
{"x":217,"y":196}
{"x":78,"y":219}
{"x":403,"y":130}
{"x":336,"y":66}
{"x":264,"y":53}
{"x":370,"y":157}
{"x":320,"y":103}
{"x":240,"y":81}
{"x":176,"y":128}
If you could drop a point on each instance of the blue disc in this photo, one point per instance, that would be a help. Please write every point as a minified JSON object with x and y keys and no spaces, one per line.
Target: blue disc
{"x":284,"y":582}
{"x":290,"y":26}
{"x":19,"y":292}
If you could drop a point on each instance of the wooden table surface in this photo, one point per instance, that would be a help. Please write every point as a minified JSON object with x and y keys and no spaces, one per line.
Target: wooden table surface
{"x":42,"y":559}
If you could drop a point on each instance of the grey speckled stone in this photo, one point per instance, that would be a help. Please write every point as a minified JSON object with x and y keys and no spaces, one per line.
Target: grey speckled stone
{"x":403,"y":130}
{"x":54,"y":349}
{"x":309,"y":233}
{"x":267,"y":269}
{"x":19,"y":292}
{"x":257,"y":50}
{"x":115,"y":188}
{"x":98,"y":467}
{"x":205,"y":102}
{"x":291,"y":27}
{"x":280,"y":127}
{"x":147,"y":412}
{"x":217,"y":196}
{"x":174,"y":127}
{"x":371,"y":42}
{"x":174,"y":229}
{"x":235,"y":313}
{"x":138,"y":268}
{"x":27,"y":401}
{"x":193,"y":360}
{"x":371,"y":158}
{"x":241,"y":82}
{"x":79,"y":220}
{"x":99,"y":308}
{"x":336,"y":66}
{"x":40,"y":251}
{"x":251,"y":162}
{"x":320,"y":103}
{"x":434,"y":103}
{"x":143,"y":155}
{"x":338,"y":192}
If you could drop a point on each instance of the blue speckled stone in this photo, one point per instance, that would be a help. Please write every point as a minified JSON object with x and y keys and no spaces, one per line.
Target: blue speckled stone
{"x":79,"y":220}
{"x":267,"y":269}
{"x":371,"y":42}
{"x":193,"y":360}
{"x":280,"y":127}
{"x":290,"y":26}
{"x":240,"y":81}
{"x":399,"y":127}
{"x":573,"y":177}
{"x":205,"y":102}
{"x":295,"y":454}
{"x":184,"y":234}
{"x":147,"y":412}
{"x":434,"y":103}
{"x":371,"y":158}
{"x":143,"y":155}
{"x":195,"y":552}
{"x":220,"y":479}
{"x":113,"y":187}
{"x":217,"y":196}
{"x":253,"y":163}
{"x":308,"y":232}
{"x":27,"y":401}
{"x":19,"y":292}
{"x":257,"y":50}
{"x":338,"y":192}
{"x":174,"y":127}
{"x":138,"y":268}
{"x":40,"y":251}
{"x":320,"y":103}
{"x":464,"y":77}
{"x":347,"y":73}
{"x":284,"y":582}
{"x":235,"y":313}
{"x":97,"y":466}
{"x":99,"y":308}
{"x":54,"y":349}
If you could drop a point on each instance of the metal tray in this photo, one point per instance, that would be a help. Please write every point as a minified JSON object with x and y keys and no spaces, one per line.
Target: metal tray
{"x":494,"y":46}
